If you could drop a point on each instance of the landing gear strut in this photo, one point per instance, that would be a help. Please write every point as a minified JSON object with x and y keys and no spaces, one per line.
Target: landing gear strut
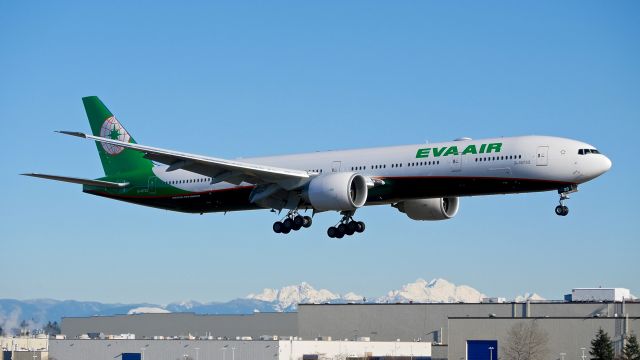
{"x":293,"y":221}
{"x":346,"y":226}
{"x":562,"y":210}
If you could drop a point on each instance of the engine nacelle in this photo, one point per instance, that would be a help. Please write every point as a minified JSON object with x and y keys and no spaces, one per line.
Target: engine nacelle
{"x":337,"y":191}
{"x":430,"y":209}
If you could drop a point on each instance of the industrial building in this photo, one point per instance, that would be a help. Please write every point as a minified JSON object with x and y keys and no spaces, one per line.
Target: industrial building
{"x":235,"y":350}
{"x":439,"y":331}
{"x":457,"y":331}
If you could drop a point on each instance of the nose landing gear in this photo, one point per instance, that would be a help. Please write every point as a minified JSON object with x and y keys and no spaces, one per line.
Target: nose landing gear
{"x":346,"y":226}
{"x":293,"y":221}
{"x":562,"y":210}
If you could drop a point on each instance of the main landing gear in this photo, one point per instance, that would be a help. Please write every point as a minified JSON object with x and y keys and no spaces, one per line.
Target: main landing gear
{"x":562,"y":210}
{"x":293,"y":221}
{"x":346,"y":226}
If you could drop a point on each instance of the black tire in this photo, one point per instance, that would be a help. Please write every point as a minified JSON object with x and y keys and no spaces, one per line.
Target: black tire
{"x":277,"y":227}
{"x":296,"y":227}
{"x":342,"y":228}
{"x":285,"y":230}
{"x":332,"y":232}
{"x":559,"y":210}
{"x":350,"y":228}
{"x":307,"y":221}
{"x":298,"y":221}
{"x":565,"y":211}
{"x":361,"y":227}
{"x":340,"y":235}
{"x":288,"y":224}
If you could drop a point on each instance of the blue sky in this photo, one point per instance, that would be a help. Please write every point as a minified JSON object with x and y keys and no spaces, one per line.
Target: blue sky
{"x":250,"y":78}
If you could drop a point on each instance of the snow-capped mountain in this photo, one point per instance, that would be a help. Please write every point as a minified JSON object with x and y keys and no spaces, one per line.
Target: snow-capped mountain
{"x":148,"y":310}
{"x":434,"y":291}
{"x":529,"y":297}
{"x":287,"y":298}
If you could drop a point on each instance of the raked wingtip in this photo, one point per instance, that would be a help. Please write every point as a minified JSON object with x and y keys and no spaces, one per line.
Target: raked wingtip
{"x":72,"y":133}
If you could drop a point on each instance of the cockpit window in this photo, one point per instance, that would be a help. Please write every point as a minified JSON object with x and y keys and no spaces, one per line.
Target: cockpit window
{"x":588,"y":151}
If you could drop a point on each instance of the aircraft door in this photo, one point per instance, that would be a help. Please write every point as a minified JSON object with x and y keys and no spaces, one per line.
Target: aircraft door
{"x":542,"y":156}
{"x":152,"y":185}
{"x":335,"y":166}
{"x":456,"y":163}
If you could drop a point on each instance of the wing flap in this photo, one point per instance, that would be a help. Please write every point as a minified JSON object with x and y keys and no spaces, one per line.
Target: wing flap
{"x":81,"y":181}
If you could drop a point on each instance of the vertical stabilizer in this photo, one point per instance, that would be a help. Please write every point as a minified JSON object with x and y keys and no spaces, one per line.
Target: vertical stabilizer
{"x":115,"y":159}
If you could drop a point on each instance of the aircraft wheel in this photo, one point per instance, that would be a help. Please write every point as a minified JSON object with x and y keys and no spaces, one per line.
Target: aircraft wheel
{"x":361,"y":227}
{"x":288,"y":223}
{"x":332,"y":232}
{"x":350,"y":229}
{"x":286,"y":230}
{"x":342,"y":228}
{"x":295,"y":226}
{"x":307,"y":221}
{"x":562,"y":210}
{"x":277,"y":227}
{"x":298,"y":221}
{"x":559,"y":210}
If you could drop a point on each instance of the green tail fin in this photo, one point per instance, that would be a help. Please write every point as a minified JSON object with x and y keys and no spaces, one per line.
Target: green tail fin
{"x":115,"y":159}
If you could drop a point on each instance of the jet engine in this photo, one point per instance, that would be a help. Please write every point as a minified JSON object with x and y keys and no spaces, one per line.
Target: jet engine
{"x":429,"y":209}
{"x":337,"y":191}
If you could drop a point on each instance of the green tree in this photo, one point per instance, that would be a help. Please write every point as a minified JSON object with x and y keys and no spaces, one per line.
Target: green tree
{"x":52,"y":328}
{"x":601,"y":347}
{"x":631,"y":350}
{"x":24,"y":328}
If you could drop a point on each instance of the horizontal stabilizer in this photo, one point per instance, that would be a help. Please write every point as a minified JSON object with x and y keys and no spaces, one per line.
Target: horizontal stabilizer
{"x":74,"y":180}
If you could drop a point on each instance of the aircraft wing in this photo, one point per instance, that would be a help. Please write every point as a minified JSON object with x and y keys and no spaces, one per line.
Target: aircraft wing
{"x":218,"y":169}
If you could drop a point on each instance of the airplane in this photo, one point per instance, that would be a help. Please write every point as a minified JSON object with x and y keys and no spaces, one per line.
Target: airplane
{"x":423,"y":181}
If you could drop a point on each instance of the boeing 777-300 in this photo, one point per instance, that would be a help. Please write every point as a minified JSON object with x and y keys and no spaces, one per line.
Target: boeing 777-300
{"x":423,"y":181}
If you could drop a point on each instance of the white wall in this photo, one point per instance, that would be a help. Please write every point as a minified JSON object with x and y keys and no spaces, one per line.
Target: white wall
{"x":293,"y":350}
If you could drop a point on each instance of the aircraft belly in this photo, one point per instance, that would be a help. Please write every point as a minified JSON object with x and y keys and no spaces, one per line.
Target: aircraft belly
{"x":402,"y":188}
{"x":218,"y":201}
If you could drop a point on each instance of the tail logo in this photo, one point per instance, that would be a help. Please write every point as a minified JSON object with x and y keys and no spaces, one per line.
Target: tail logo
{"x":111,"y":129}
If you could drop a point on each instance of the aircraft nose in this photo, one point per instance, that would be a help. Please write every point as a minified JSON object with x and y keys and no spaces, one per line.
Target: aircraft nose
{"x":605,"y":164}
{"x":601,"y":165}
{"x":594,"y":166}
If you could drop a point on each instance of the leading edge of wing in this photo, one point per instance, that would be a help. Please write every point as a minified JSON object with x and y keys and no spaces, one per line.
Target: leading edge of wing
{"x":81,"y":181}
{"x":172,"y":158}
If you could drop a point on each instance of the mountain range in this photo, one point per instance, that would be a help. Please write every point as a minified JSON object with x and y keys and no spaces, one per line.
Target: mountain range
{"x":39,"y":311}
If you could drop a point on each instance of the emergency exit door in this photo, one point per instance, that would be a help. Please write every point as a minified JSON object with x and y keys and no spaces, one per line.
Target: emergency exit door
{"x":542,"y":156}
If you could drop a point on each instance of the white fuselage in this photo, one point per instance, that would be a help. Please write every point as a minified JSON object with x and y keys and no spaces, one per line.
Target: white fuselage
{"x":531,"y":158}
